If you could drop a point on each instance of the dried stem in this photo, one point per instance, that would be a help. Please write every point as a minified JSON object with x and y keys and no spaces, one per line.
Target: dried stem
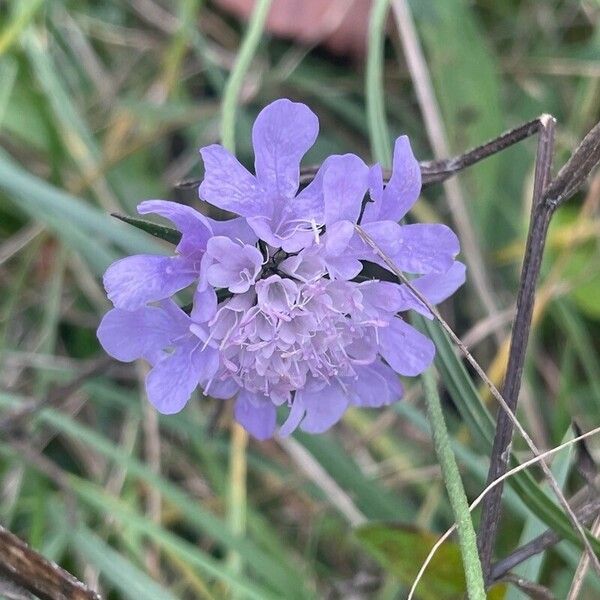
{"x":432,"y":171}
{"x":30,"y":570}
{"x":582,"y":567}
{"x":549,"y":538}
{"x":536,"y":239}
{"x":547,"y":196}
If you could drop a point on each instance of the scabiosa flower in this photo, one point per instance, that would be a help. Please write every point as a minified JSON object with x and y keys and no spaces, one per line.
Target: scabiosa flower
{"x":285,"y":313}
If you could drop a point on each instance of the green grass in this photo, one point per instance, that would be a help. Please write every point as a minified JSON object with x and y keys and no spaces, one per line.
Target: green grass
{"x":102,"y":106}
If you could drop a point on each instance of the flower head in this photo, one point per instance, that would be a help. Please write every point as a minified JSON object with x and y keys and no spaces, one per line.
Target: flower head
{"x":285,"y":313}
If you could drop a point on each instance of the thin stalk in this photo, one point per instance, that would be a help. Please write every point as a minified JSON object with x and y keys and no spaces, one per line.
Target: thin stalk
{"x":454,"y":487}
{"x":238,"y":73}
{"x":540,"y":220}
{"x":378,"y":130}
{"x":236,"y":506}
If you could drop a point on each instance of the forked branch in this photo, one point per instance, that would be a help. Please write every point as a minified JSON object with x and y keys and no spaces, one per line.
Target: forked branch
{"x":547,"y":196}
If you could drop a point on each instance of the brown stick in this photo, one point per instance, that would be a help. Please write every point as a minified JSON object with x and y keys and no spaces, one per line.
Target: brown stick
{"x":547,"y":196}
{"x":586,"y":514}
{"x":536,"y":239}
{"x":30,"y":570}
{"x":432,"y":171}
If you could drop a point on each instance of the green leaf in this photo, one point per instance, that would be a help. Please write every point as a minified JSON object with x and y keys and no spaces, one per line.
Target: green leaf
{"x":160,"y":231}
{"x":374,"y":91}
{"x":83,"y":227}
{"x":402,"y":549}
{"x":132,"y":582}
{"x":584,"y":277}
{"x":96,"y":497}
{"x":280,"y":575}
{"x":467,"y":86}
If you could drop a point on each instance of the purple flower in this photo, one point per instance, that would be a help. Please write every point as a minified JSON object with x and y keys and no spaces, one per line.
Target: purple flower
{"x":285,"y":313}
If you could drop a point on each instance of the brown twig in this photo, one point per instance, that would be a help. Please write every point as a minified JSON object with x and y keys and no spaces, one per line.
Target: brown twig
{"x":547,"y":196}
{"x":536,"y":239}
{"x":535,"y":591}
{"x":30,"y":570}
{"x":582,"y":567}
{"x":432,"y":171}
{"x":549,"y":538}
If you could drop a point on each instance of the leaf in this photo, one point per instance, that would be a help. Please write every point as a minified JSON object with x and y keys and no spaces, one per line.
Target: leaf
{"x":280,"y":576}
{"x":160,"y":231}
{"x":83,"y":227}
{"x":96,"y":497}
{"x":123,"y":574}
{"x":467,"y":87}
{"x":402,"y":549}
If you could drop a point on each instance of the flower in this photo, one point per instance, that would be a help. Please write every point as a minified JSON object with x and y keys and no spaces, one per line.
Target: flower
{"x":285,"y":312}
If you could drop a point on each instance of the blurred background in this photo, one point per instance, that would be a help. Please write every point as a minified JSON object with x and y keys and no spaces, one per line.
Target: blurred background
{"x":104,"y":104}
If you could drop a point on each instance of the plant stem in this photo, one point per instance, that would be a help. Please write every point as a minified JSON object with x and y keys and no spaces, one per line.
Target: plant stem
{"x":236,"y":512}
{"x":378,"y":130}
{"x":541,"y":213}
{"x":236,"y":77}
{"x":458,"y":499}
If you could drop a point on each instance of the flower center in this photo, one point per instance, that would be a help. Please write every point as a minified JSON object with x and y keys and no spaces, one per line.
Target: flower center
{"x":287,"y":334}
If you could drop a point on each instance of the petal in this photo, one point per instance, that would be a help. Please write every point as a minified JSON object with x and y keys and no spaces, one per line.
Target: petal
{"x":132,"y":282}
{"x":323,"y":408}
{"x":405,"y":349}
{"x":343,"y":267}
{"x":276,"y":296}
{"x":384,"y":233}
{"x":404,"y":186}
{"x":220,"y":276}
{"x":338,"y":237}
{"x":289,"y":235}
{"x":371,"y":389}
{"x":345,"y":183}
{"x":232,"y":254}
{"x":142,"y":333}
{"x":171,"y":382}
{"x":281,"y":136}
{"x":388,"y":297}
{"x":426,"y":248}
{"x":309,"y":203}
{"x":194,"y":226}
{"x":205,"y":305}
{"x":256,"y":415}
{"x":235,"y":267}
{"x":229,"y":185}
{"x":436,"y":287}
{"x":235,"y":229}
{"x":420,"y":248}
{"x":392,"y":380}
{"x":393,"y":297}
{"x":222,"y":390}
